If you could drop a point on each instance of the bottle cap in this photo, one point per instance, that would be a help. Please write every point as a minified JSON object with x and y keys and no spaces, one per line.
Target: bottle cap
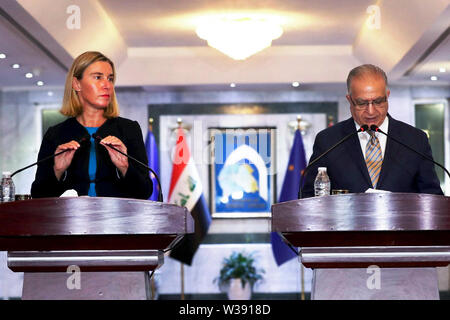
{"x":6,"y":174}
{"x":322,"y":169}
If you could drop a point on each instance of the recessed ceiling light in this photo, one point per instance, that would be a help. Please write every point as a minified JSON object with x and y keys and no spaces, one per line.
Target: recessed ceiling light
{"x":2,"y":56}
{"x":433,"y":78}
{"x":40,"y":83}
{"x":442,"y":69}
{"x":232,"y":85}
{"x":295,"y":84}
{"x":15,"y":66}
{"x":28,"y":75}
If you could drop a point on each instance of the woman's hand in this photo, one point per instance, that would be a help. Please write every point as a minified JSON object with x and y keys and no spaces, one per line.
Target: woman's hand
{"x":119,"y":160}
{"x":63,"y":161}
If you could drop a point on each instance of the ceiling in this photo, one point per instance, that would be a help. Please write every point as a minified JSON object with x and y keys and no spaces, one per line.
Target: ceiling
{"x":154,"y":44}
{"x":157,"y":24}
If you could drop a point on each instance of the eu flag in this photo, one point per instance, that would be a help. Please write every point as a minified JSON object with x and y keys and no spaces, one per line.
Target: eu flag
{"x":153,"y":162}
{"x":289,"y":191}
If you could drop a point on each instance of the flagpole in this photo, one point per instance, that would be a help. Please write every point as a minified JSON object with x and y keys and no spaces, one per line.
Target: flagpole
{"x":302,"y":280}
{"x":182,"y":280}
{"x":302,"y":270}
{"x":150,"y":128}
{"x":150,"y":124}
{"x":180,"y":123}
{"x":186,"y":190}
{"x":153,"y":288}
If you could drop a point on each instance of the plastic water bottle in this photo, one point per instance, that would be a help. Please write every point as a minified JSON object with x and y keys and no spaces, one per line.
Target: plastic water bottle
{"x":8,"y":188}
{"x":322,"y":185}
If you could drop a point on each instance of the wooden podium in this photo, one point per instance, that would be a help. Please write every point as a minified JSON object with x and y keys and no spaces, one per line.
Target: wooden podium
{"x":370,"y":245}
{"x":89,"y":247}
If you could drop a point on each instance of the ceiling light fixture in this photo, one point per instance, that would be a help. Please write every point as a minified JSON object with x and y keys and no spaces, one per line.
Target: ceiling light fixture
{"x":40,"y":83}
{"x":433,"y":78}
{"x":233,"y":85}
{"x":239,"y":35}
{"x":442,"y":69}
{"x":15,"y":66}
{"x":28,"y":75}
{"x":2,"y":56}
{"x":295,"y":84}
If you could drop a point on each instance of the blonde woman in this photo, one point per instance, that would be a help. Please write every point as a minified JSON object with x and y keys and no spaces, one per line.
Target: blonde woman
{"x":90,"y":166}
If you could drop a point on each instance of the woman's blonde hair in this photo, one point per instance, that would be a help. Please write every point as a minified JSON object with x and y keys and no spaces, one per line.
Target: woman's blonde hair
{"x":71,"y":105}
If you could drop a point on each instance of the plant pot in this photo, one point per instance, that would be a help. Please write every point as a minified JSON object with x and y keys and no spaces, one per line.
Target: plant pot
{"x":236,"y":292}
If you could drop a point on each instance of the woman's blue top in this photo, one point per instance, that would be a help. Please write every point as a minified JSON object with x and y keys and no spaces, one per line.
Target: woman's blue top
{"x":92,"y":163}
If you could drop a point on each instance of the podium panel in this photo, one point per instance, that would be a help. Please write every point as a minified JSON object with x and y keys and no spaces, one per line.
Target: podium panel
{"x":357,"y":284}
{"x":113,"y":243}
{"x":341,"y":236}
{"x":93,"y":286}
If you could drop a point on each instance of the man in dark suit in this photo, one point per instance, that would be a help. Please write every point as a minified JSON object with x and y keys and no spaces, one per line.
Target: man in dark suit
{"x":370,"y":159}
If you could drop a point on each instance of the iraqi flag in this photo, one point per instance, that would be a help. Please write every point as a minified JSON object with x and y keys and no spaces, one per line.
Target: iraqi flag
{"x":297,"y":163}
{"x":186,"y":190}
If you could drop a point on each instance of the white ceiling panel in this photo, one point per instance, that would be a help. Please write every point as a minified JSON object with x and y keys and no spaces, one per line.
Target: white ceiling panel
{"x":154,"y":43}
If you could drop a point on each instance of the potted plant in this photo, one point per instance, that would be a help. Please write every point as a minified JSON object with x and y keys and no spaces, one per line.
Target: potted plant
{"x":238,"y":274}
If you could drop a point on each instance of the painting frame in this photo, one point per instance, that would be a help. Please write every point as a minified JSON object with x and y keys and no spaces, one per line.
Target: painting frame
{"x":250,"y":205}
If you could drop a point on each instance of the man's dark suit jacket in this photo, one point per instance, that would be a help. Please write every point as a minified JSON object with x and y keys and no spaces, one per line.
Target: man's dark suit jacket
{"x":402,"y":170}
{"x":108,"y":181}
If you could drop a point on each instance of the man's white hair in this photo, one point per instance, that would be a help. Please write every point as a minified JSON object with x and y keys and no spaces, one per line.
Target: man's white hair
{"x":364,"y":70}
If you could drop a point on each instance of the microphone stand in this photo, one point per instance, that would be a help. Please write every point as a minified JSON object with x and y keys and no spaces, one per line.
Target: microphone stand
{"x":160,"y":195}
{"x":37,"y":162}
{"x":363,"y":128}
{"x":80,"y":142}
{"x":377,"y":129}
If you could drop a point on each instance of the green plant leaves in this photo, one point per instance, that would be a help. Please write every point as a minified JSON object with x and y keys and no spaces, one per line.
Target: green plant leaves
{"x":239,"y":265}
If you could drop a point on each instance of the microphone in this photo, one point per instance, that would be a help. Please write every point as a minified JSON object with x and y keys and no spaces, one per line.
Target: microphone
{"x":81,"y":142}
{"x":160,"y":195}
{"x":363,"y":128}
{"x":375,"y":128}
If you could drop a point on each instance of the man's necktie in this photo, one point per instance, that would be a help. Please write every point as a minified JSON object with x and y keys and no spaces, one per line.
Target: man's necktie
{"x":373,"y":158}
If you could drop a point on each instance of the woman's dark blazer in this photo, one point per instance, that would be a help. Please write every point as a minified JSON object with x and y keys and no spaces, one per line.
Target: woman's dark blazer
{"x":108,"y":180}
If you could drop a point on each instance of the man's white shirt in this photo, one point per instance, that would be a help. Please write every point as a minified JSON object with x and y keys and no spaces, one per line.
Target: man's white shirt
{"x":364,"y":137}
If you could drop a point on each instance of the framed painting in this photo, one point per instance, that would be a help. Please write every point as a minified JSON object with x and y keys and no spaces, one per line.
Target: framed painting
{"x":242,"y":171}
